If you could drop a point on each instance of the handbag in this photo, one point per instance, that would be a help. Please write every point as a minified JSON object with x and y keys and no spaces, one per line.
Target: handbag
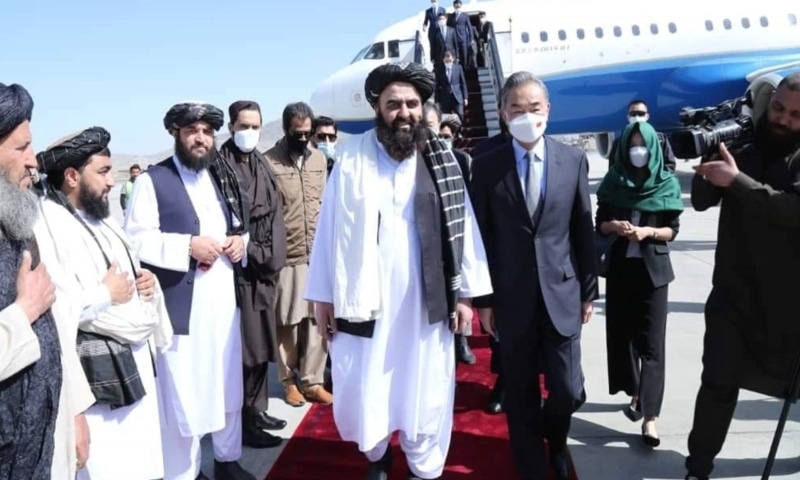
{"x":603,"y":244}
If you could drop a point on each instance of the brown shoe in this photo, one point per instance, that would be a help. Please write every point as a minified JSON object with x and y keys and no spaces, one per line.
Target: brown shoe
{"x":293,"y":396}
{"x":318,"y":394}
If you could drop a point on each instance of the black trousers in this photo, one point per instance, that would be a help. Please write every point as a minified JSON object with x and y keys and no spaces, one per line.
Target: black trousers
{"x":636,"y":322}
{"x":539,"y":347}
{"x":256,"y":396}
{"x":723,"y":363}
{"x":449,"y":105}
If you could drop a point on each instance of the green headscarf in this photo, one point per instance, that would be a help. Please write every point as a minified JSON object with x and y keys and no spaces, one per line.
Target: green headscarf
{"x":659,"y":191}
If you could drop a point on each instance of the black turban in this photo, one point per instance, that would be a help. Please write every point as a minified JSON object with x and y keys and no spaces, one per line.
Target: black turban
{"x":185,"y":114}
{"x":16,"y":106}
{"x":74,"y":150}
{"x":413,"y":73}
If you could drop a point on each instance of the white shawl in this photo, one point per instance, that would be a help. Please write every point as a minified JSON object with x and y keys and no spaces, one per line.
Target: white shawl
{"x":356,"y":269}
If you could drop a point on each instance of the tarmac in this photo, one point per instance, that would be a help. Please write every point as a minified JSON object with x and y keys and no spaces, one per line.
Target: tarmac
{"x":603,"y":443}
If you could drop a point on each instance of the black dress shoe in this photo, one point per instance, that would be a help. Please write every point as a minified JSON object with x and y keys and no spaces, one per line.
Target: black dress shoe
{"x":463,"y":352}
{"x":231,"y":471}
{"x":256,"y":438}
{"x":380,"y":470}
{"x":560,"y":464}
{"x":496,"y":398}
{"x":265,"y":421}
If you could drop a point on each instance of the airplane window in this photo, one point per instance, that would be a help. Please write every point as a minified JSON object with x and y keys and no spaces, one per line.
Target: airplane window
{"x":654,"y":29}
{"x":562,"y":35}
{"x":543,"y":36}
{"x":672,"y":27}
{"x":635,"y":30}
{"x":525,"y":37}
{"x":745,"y":22}
{"x":727,"y":24}
{"x":360,"y":54}
{"x":376,"y":52}
{"x":792,"y":19}
{"x":709,"y":25}
{"x":617,"y":32}
{"x":598,"y":32}
{"x":764,"y":21}
{"x":580,"y":33}
{"x":394,"y":49}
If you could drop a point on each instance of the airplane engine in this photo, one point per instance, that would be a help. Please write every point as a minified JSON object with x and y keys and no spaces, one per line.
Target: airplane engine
{"x":604,"y":142}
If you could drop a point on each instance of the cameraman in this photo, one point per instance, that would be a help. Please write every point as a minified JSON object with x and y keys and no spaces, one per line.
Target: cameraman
{"x":752,"y":330}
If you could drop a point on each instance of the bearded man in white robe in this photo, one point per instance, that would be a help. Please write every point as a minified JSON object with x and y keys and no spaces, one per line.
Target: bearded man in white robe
{"x":120,"y":322}
{"x":396,"y":259}
{"x":186,"y":220}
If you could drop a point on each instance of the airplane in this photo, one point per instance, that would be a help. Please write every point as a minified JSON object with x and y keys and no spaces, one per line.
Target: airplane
{"x":596,"y":57}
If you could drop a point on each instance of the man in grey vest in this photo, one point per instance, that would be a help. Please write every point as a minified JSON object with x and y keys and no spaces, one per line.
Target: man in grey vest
{"x":187,"y":220}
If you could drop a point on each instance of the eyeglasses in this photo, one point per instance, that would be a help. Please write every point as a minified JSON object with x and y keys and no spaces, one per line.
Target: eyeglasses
{"x":637,"y":113}
{"x":301,"y":135}
{"x":322,"y":137}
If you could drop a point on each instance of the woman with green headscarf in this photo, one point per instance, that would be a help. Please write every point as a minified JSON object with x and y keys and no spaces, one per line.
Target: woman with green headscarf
{"x":638,"y":207}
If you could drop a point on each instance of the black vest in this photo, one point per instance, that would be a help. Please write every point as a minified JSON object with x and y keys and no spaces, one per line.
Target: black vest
{"x":176,"y":214}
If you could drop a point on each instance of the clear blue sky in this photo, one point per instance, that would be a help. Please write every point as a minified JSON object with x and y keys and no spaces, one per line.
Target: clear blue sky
{"x":121,"y":64}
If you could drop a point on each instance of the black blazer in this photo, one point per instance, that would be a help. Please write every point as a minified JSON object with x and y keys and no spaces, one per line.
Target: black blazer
{"x":655,"y":253}
{"x":557,"y":255}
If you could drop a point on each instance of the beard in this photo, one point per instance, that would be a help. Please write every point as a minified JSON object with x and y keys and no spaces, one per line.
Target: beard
{"x":94,"y":205}
{"x":400,"y":144}
{"x":192,"y":161}
{"x":19,"y":209}
{"x":775,"y":140}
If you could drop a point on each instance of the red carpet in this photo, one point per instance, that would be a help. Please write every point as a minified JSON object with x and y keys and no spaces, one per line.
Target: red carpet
{"x":479,"y":449}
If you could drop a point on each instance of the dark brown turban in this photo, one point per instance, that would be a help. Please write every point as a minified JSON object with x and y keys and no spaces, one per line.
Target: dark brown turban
{"x":185,"y":114}
{"x":16,"y":106}
{"x":74,"y":150}
{"x":415,"y":74}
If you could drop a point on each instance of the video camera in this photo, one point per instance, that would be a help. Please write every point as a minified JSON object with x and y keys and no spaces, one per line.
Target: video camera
{"x":710,"y":126}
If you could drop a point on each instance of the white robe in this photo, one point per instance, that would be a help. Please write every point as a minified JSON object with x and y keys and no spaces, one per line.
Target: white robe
{"x":403,"y":378}
{"x":127,"y":439}
{"x":76,"y":395}
{"x":200,"y":375}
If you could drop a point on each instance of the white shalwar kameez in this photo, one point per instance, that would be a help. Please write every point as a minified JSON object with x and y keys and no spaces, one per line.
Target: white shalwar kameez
{"x":200,"y":375}
{"x":126,"y":442}
{"x":403,"y":378}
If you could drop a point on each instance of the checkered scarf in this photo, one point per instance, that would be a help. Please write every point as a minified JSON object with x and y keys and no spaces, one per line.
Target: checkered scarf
{"x":228,"y":184}
{"x":446,"y":174}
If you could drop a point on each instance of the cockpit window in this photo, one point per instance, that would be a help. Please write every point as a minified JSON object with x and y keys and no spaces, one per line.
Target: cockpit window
{"x":376,"y":52}
{"x":394,"y":49}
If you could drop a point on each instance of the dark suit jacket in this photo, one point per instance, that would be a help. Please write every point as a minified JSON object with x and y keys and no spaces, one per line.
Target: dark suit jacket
{"x":440,"y":44}
{"x":431,"y":17}
{"x":484,"y":31}
{"x":556,"y":255}
{"x":461,"y":25}
{"x":456,"y":86}
{"x":490,"y":144}
{"x":655,"y":253}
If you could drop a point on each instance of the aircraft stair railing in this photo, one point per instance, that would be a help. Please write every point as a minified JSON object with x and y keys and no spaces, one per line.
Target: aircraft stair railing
{"x":482,"y":118}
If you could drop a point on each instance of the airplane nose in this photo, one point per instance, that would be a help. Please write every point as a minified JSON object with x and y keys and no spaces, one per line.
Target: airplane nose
{"x":323,"y":99}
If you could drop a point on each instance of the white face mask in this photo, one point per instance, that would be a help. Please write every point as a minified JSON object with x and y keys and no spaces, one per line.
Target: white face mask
{"x":528,"y":128}
{"x":442,"y":23}
{"x":327,"y":148}
{"x":634,"y":119}
{"x":639,"y":156}
{"x":246,"y":140}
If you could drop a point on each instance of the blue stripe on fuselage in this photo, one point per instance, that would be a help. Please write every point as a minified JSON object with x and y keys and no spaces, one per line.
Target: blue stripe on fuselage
{"x":596,"y":100}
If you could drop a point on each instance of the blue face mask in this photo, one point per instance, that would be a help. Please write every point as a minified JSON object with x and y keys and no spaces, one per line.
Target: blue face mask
{"x":327,"y":148}
{"x":447,"y":143}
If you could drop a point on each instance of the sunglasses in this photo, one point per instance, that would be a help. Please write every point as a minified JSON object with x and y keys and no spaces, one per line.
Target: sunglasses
{"x":301,"y":135}
{"x":331,"y":137}
{"x":637,"y":113}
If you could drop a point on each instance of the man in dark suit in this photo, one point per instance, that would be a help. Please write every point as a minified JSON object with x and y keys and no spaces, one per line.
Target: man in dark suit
{"x":460,"y":23}
{"x":483,"y":38}
{"x":451,"y":86}
{"x":443,"y":40}
{"x":531,"y":199}
{"x":431,"y":17}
